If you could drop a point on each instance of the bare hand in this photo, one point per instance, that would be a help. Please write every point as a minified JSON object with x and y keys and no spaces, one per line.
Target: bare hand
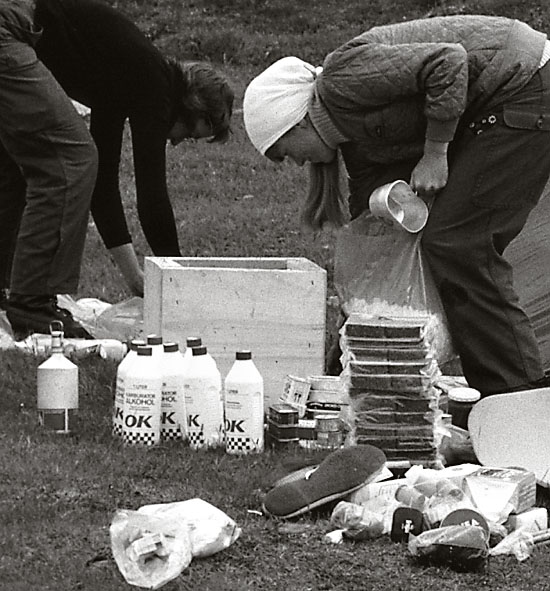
{"x":430,"y":175}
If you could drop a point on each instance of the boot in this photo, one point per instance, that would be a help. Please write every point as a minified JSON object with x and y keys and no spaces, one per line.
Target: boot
{"x":34,"y":313}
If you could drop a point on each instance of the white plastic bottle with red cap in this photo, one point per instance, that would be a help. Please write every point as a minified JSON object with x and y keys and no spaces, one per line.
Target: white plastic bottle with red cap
{"x":118,"y":406}
{"x":142,"y":399}
{"x":57,"y":386}
{"x":244,"y":406}
{"x":203,"y":400}
{"x":173,"y":416}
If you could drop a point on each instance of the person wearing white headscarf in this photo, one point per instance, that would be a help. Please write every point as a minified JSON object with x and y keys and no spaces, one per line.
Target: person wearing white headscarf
{"x":458,"y":107}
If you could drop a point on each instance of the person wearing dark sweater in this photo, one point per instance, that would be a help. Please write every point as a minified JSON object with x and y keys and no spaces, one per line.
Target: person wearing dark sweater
{"x":92,"y":53}
{"x":457,"y":106}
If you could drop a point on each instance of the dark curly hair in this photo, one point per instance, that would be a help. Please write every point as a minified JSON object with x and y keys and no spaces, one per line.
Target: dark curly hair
{"x":207,"y":95}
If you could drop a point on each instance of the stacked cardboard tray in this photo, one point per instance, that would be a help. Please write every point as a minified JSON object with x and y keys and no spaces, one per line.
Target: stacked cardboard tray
{"x":391,"y":376}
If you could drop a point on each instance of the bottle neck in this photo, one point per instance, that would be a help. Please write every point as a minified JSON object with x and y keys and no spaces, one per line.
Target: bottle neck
{"x":57,"y":343}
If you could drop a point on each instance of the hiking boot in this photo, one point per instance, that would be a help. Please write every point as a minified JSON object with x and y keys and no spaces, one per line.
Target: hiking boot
{"x":34,"y":313}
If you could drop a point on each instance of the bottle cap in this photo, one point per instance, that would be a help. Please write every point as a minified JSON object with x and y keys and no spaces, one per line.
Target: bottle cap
{"x":154,"y":339}
{"x":464,"y":394}
{"x":135,"y":343}
{"x":193,"y":342}
{"x":144,"y":350}
{"x":243,"y":355}
{"x":199,"y":350}
{"x":171,"y":347}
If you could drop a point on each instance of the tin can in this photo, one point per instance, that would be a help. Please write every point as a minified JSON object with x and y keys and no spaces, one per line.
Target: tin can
{"x":283,"y":414}
{"x":329,"y":439}
{"x":282,"y":432}
{"x":328,"y":423}
{"x":461,"y":402}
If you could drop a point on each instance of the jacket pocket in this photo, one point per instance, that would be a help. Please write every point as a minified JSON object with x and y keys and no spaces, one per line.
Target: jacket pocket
{"x":534,"y":119}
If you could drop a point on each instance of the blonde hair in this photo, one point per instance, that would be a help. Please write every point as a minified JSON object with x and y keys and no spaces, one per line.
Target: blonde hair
{"x":325,"y":202}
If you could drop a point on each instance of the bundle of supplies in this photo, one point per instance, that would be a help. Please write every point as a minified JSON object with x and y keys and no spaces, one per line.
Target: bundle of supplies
{"x":390,"y":373}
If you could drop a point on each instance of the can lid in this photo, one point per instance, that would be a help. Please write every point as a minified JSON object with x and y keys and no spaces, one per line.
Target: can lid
{"x":171,"y":347}
{"x":193,"y":342}
{"x":199,"y":350}
{"x":243,"y":355}
{"x":144,"y":350}
{"x":464,"y":394}
{"x":154,"y":339}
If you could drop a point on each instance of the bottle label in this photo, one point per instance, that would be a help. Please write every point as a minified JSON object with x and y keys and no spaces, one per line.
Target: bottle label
{"x":141,"y":418}
{"x":244,"y":420}
{"x":173,"y":419}
{"x":204,"y":410}
{"x":118,"y":408}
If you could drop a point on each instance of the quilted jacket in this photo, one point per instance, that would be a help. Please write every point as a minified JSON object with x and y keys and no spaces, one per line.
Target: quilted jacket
{"x":393,"y":86}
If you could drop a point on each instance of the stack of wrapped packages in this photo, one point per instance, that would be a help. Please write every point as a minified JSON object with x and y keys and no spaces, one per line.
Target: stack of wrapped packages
{"x":390,"y":369}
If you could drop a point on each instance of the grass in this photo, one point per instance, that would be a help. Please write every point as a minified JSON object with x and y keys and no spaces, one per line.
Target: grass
{"x":58,"y":495}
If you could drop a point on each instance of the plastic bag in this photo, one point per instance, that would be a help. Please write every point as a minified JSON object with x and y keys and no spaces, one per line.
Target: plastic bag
{"x":520,"y":543}
{"x":149,"y":551}
{"x":122,"y":321}
{"x":210,"y":529}
{"x":462,"y":547}
{"x":379,"y":270}
{"x":154,"y":544}
{"x":357,"y":522}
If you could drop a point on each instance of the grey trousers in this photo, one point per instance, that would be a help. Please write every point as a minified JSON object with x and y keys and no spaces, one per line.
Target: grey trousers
{"x":48,"y":165}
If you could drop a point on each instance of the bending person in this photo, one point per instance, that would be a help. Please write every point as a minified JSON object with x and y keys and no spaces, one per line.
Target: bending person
{"x":102,"y":60}
{"x":48,"y":165}
{"x":460,"y":107}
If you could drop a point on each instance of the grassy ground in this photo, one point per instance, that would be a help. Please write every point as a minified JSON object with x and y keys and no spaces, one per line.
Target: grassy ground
{"x":58,"y":495}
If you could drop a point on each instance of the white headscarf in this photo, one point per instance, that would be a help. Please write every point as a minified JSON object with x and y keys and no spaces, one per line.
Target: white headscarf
{"x":278,"y":99}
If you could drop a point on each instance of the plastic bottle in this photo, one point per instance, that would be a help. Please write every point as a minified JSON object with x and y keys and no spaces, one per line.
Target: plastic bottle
{"x":57,"y":386}
{"x":203,"y":400}
{"x":142,"y":399}
{"x":244,"y":406}
{"x":173,"y":417}
{"x":118,"y":406}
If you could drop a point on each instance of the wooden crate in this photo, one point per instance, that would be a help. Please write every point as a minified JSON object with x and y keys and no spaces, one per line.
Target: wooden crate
{"x":273,"y":306}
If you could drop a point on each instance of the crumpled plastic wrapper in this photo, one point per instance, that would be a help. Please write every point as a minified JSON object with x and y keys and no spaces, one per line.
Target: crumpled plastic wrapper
{"x":519,"y":543}
{"x":461,"y":547}
{"x":357,"y":522}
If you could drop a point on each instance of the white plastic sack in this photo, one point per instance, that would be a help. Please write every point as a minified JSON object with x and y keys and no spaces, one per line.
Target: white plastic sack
{"x":210,"y":529}
{"x":154,"y":544}
{"x":148,"y":550}
{"x":122,"y":321}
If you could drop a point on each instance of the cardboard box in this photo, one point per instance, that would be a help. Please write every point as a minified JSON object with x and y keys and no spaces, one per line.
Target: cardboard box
{"x":498,"y":492}
{"x":274,"y":307}
{"x":529,"y":255}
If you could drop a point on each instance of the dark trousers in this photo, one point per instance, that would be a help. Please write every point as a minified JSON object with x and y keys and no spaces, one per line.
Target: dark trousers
{"x":48,"y":165}
{"x":499,"y":166}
